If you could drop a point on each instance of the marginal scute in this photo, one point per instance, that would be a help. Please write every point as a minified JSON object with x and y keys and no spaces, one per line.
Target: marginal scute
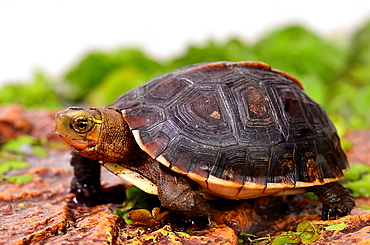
{"x":154,"y":144}
{"x":125,"y":101}
{"x":143,"y":117}
{"x":333,"y":165}
{"x":310,"y":171}
{"x":167,"y":89}
{"x":284,"y":170}
{"x":231,"y":190}
{"x":289,"y":76}
{"x":203,"y":164}
{"x":231,"y":165}
{"x":183,"y":160}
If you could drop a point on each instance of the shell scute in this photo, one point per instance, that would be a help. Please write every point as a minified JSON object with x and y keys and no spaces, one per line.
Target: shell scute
{"x":204,"y":109}
{"x":283,"y":170}
{"x":231,"y":165}
{"x":167,"y":89}
{"x":153,"y":142}
{"x":126,"y":101}
{"x":144,"y":117}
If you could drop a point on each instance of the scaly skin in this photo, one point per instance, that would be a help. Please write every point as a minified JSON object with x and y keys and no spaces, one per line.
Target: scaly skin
{"x":86,"y":180}
{"x":336,"y":200}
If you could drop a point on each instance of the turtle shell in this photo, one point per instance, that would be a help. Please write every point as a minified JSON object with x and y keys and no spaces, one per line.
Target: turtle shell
{"x":240,"y":130}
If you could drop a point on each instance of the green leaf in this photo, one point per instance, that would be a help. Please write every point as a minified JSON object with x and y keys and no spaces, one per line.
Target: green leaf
{"x":19,"y":179}
{"x":39,"y":151}
{"x":357,"y":178}
{"x":284,"y":241}
{"x":129,"y":222}
{"x":183,"y":234}
{"x":283,"y":48}
{"x":308,"y":232}
{"x":246,"y":234}
{"x":336,"y":227}
{"x":311,"y":196}
{"x":12,"y":165}
{"x":118,"y":212}
{"x":135,"y":193}
{"x":111,"y":87}
{"x":231,"y":50}
{"x":16,"y":144}
{"x":25,"y":144}
{"x":306,"y":226}
{"x":364,"y":207}
{"x":309,"y":238}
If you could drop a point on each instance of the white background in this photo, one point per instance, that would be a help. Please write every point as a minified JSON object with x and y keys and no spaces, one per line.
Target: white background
{"x":50,"y":35}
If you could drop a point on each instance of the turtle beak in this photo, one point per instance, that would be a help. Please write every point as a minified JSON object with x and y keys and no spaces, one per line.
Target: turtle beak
{"x":62,"y":123}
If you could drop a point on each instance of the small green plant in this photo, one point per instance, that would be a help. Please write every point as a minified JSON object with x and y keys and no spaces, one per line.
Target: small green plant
{"x":25,"y":145}
{"x":306,"y":233}
{"x":9,"y":165}
{"x":12,"y":155}
{"x":135,"y":199}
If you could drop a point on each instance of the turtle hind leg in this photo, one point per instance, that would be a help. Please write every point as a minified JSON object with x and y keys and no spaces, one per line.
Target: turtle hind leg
{"x":179,"y":194}
{"x":86,"y":180}
{"x":336,"y":199}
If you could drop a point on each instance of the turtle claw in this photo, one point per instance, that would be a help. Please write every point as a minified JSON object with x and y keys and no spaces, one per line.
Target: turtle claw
{"x":336,"y":210}
{"x":337,"y":201}
{"x":328,"y":213}
{"x":204,"y":221}
{"x":85,"y":194}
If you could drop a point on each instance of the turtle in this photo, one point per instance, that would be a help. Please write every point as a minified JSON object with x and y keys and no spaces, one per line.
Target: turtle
{"x":231,"y":130}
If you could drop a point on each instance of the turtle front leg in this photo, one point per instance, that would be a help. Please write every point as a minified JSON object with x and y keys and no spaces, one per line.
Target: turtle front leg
{"x":176,"y":192}
{"x":86,"y":180}
{"x":336,"y":199}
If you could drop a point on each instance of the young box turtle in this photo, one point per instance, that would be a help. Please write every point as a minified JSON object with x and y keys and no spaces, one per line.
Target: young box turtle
{"x":233,"y":130}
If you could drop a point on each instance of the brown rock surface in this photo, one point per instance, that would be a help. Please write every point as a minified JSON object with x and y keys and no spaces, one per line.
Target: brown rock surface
{"x":42,"y":211}
{"x":15,"y":121}
{"x":360,"y":150}
{"x":356,"y":232}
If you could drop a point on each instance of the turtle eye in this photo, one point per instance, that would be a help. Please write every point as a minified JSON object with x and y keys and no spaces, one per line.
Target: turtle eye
{"x":82,"y":124}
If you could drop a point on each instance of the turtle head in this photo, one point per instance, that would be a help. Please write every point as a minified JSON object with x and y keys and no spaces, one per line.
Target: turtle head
{"x":97,"y":133}
{"x":79,"y":127}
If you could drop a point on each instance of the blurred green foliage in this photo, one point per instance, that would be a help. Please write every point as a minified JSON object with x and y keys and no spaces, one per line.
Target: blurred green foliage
{"x":13,"y":154}
{"x":335,"y":73}
{"x":101,"y":76}
{"x":39,"y":92}
{"x":357,"y":179}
